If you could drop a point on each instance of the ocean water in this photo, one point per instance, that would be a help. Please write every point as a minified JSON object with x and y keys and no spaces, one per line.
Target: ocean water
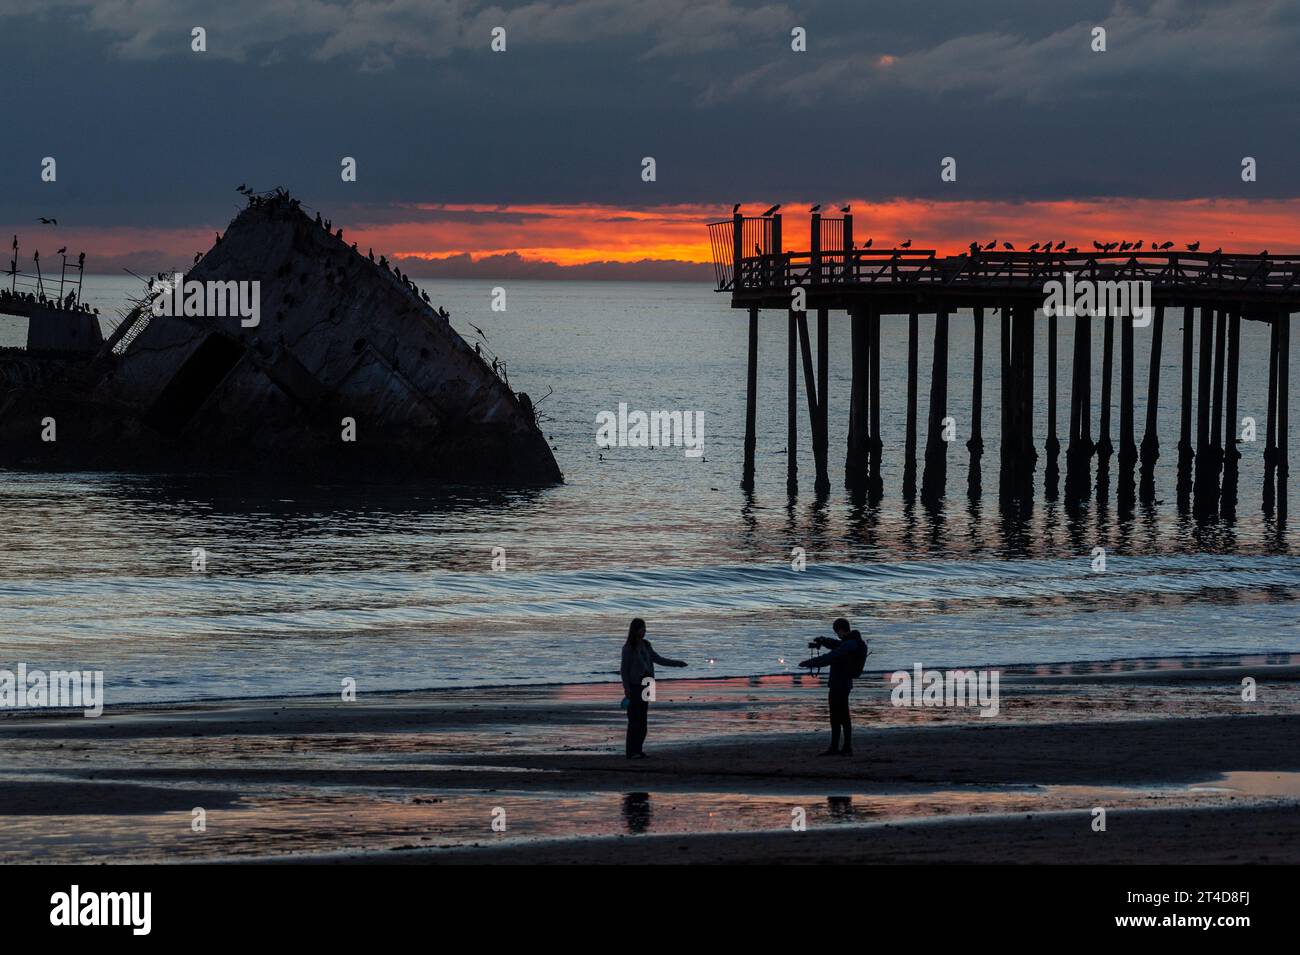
{"x":394,"y":586}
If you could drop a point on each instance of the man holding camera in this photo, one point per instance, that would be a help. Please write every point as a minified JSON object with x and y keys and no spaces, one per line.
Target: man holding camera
{"x":847,"y":657}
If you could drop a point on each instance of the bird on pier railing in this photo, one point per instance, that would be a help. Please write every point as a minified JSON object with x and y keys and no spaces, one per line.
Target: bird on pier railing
{"x":735,"y":208}
{"x":991,"y":245}
{"x":974,"y":248}
{"x":867,"y":244}
{"x":844,"y":209}
{"x":1194,"y":246}
{"x":1034,"y":247}
{"x":1097,"y":245}
{"x":1166,"y":245}
{"x":816,"y":208}
{"x":1060,"y":245}
{"x":1138,"y":246}
{"x":1008,"y":246}
{"x":906,"y":245}
{"x":772,"y":211}
{"x":1124,"y":246}
{"x":1072,"y":250}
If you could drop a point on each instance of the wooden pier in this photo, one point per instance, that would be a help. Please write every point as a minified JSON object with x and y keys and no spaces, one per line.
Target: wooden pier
{"x":751,"y":263}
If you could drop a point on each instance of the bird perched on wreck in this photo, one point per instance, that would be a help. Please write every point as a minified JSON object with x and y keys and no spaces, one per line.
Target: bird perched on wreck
{"x":62,"y":250}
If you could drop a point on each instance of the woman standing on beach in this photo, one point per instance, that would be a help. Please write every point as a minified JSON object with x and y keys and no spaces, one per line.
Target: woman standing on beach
{"x":639,"y":659}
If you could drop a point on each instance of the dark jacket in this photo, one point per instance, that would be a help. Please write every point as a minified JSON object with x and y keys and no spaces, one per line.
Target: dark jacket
{"x":640,"y":663}
{"x":846,"y":659}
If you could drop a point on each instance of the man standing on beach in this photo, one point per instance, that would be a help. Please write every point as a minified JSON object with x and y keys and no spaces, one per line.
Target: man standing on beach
{"x":847,"y":658}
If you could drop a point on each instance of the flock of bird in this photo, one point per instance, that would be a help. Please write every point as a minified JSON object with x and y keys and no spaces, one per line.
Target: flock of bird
{"x":1048,"y":247}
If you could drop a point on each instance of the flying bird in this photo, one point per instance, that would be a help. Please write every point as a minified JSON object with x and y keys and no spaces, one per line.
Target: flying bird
{"x":479,"y":330}
{"x":45,"y":221}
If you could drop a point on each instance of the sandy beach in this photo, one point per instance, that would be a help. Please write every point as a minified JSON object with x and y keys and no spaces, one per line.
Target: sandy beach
{"x":1186,"y":771}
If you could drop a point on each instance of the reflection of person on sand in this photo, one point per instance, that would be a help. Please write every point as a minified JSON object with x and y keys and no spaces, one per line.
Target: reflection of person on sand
{"x":639,"y":659}
{"x":847,"y":658}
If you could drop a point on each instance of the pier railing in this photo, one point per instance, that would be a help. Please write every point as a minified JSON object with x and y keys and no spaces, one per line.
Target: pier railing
{"x":749,"y":262}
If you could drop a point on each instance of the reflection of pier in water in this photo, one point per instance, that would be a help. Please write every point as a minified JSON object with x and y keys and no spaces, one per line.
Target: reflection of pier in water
{"x":871,"y":283}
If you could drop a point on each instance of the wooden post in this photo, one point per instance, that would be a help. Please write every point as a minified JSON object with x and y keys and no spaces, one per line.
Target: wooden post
{"x":1078,"y":454}
{"x":737,"y":249}
{"x":876,"y":484}
{"x":777,"y":258}
{"x":1204,"y":376}
{"x":1185,"y":452}
{"x":909,"y":450}
{"x":1127,"y":446}
{"x":1151,"y":440}
{"x":792,"y":407}
{"x":751,"y":392}
{"x":974,"y":481}
{"x":1052,"y":473}
{"x":815,"y":250}
{"x":814,"y":397}
{"x":1104,"y":446}
{"x":847,"y":275}
{"x":1283,"y":403}
{"x":1228,"y":497}
{"x":935,"y":477}
{"x":1270,"y":434}
{"x":1010,"y":449}
{"x":855,"y":464}
{"x":1029,"y":454}
{"x":1215,"y":464}
{"x":823,"y":397}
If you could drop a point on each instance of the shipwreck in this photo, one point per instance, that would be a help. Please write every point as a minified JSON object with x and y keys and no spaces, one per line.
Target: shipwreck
{"x":341,"y":367}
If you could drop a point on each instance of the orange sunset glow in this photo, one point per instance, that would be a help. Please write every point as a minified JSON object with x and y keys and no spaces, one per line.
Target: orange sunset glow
{"x":580,"y":234}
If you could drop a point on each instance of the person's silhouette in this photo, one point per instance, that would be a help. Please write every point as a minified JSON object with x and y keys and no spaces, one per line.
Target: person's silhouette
{"x":846,"y":659}
{"x":638,"y":665}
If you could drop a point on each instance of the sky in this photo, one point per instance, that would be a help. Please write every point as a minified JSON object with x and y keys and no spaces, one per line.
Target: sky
{"x":529,"y":162}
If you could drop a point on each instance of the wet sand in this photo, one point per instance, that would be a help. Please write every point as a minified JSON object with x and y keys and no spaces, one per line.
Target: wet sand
{"x":1186,"y":771}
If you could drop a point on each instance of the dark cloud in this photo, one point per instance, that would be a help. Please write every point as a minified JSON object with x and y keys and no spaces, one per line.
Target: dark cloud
{"x":148,"y":133}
